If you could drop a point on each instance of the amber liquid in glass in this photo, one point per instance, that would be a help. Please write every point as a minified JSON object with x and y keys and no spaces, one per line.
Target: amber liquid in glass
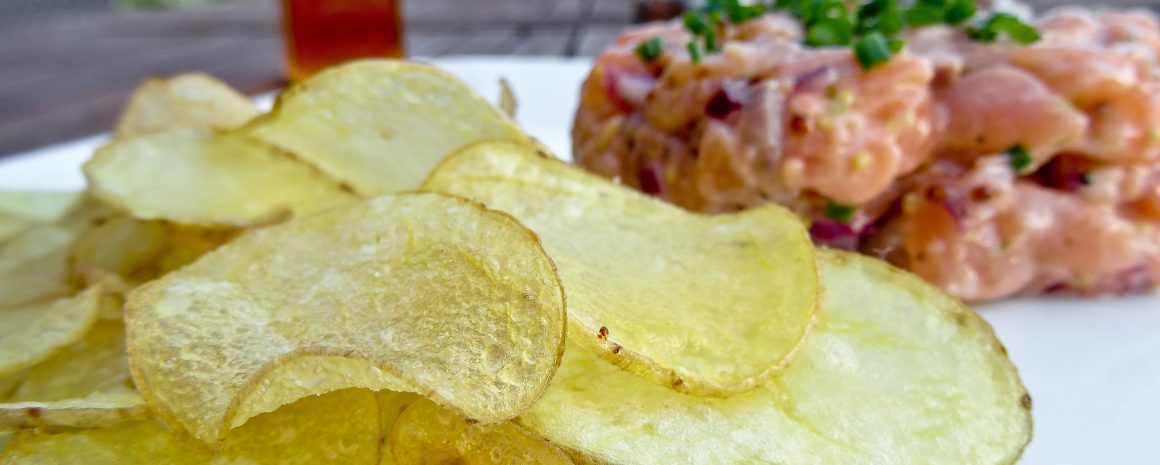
{"x":322,"y":33}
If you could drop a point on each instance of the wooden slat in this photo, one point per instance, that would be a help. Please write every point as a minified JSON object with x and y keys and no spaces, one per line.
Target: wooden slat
{"x":541,"y":42}
{"x":485,"y":41}
{"x":618,"y":11}
{"x":593,"y":39}
{"x":66,"y":75}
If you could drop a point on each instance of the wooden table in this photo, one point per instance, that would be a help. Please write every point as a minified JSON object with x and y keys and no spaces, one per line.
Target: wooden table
{"x":66,"y":77}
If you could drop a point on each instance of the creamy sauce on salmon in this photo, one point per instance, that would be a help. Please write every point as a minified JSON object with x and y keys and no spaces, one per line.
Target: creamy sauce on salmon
{"x":916,"y":146}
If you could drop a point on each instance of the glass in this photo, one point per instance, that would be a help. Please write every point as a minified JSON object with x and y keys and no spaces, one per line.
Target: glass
{"x":322,"y":33}
{"x":654,"y":10}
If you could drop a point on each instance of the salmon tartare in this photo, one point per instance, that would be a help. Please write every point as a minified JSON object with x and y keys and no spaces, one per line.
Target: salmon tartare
{"x":990,"y":168}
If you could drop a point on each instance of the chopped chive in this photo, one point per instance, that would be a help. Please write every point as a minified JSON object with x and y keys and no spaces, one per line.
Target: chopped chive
{"x":871,"y":26}
{"x":711,"y":41}
{"x":959,"y":11}
{"x":739,"y":13}
{"x":1017,"y":30}
{"x":883,"y":24}
{"x":650,"y":49}
{"x":890,"y":22}
{"x":694,"y":51}
{"x":1019,"y":158}
{"x":816,"y":10}
{"x":829,"y":32}
{"x":872,"y":50}
{"x":839,"y":212}
{"x":880,"y":16}
{"x":896,"y":45}
{"x":924,"y":15}
{"x":874,"y":8}
{"x":695,"y":23}
{"x":982,"y":34}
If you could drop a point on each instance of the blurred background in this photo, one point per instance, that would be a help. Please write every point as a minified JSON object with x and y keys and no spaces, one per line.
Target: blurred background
{"x":67,"y":66}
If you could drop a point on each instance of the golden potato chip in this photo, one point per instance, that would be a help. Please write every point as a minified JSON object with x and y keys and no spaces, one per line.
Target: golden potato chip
{"x":214,"y":180}
{"x":96,"y":363}
{"x":87,"y":211}
{"x":44,"y":240}
{"x":32,"y":333}
{"x":122,"y":245}
{"x":11,"y":226}
{"x":190,"y":100}
{"x":113,"y":299}
{"x":427,"y":434}
{"x":98,"y":410}
{"x":340,"y":428}
{"x":185,"y":243}
{"x":507,"y":98}
{"x":9,"y":383}
{"x":39,"y":206}
{"x":139,"y":250}
{"x":21,"y":210}
{"x":896,"y":372}
{"x":391,"y":404}
{"x":380,"y":125}
{"x":83,"y":385}
{"x":709,"y":305}
{"x":418,"y":292}
{"x":33,"y":265}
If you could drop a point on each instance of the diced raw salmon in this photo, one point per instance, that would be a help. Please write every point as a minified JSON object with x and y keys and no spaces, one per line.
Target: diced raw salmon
{"x":994,"y":109}
{"x":918,"y":147}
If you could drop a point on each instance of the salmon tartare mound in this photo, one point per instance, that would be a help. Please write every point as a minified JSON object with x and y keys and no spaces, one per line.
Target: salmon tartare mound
{"x":990,"y":168}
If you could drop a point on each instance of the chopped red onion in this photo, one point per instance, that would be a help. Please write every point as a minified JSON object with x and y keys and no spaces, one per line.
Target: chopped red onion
{"x":651,"y":179}
{"x":834,"y":234}
{"x":722,"y":105}
{"x":1067,"y":173}
{"x":627,"y":90}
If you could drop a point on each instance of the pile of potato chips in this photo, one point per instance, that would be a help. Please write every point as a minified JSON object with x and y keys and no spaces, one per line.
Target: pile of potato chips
{"x":385,"y":270}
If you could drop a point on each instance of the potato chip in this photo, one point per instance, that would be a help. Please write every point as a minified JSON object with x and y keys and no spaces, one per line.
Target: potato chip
{"x":427,"y":434}
{"x":139,"y":250}
{"x":121,"y":245}
{"x":39,"y":206}
{"x":22,"y":210}
{"x":391,"y":404}
{"x":507,"y":98}
{"x":9,"y":383}
{"x":417,"y":292}
{"x":11,"y":226}
{"x":380,"y":125}
{"x":709,"y":305}
{"x":32,"y":333}
{"x":113,"y":301}
{"x":896,"y":372}
{"x":33,"y":265}
{"x":190,"y":100}
{"x":214,"y":180}
{"x":83,"y":385}
{"x":98,"y":410}
{"x":340,"y":427}
{"x":96,"y":363}
{"x":87,"y":211}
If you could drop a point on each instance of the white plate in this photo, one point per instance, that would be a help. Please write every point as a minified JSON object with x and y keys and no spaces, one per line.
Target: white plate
{"x":1093,"y":367}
